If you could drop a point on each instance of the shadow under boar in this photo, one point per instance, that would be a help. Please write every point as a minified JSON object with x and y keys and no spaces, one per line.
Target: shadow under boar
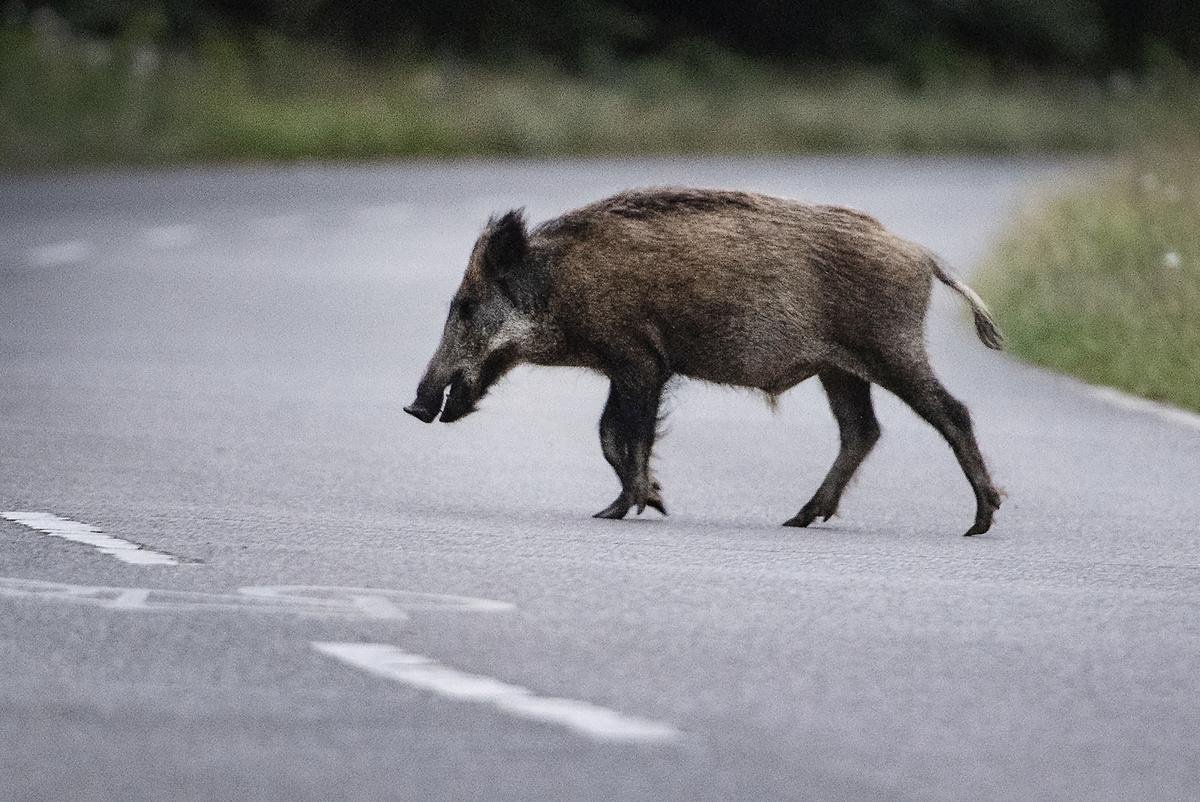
{"x":729,"y":287}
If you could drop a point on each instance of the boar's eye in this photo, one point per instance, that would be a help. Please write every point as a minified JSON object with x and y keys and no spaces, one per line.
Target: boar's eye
{"x":466,"y":308}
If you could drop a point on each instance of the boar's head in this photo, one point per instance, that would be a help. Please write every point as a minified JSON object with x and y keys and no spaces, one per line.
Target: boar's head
{"x":489,"y":326}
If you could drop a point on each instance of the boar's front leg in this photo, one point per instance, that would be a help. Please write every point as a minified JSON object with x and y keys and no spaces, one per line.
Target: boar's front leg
{"x":627,"y":430}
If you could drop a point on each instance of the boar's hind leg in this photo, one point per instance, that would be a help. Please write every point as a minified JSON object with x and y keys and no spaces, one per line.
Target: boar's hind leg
{"x":627,"y":430}
{"x":920,"y":389}
{"x":850,"y":399}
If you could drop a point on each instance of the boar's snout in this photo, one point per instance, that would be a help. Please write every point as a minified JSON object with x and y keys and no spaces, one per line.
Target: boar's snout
{"x":428,"y":402}
{"x":421,"y":412}
{"x":432,"y":398}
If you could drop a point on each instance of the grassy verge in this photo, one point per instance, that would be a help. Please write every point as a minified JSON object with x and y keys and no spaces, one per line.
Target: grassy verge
{"x":65,"y":100}
{"x":1104,"y":282}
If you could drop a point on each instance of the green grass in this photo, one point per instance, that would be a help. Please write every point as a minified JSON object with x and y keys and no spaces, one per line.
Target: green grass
{"x":1103,"y":282}
{"x":67,"y":101}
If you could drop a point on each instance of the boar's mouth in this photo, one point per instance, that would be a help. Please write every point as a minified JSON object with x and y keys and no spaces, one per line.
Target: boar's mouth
{"x":460,"y":401}
{"x":464,"y":394}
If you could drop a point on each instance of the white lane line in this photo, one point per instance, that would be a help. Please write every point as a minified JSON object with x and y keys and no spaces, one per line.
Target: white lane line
{"x":420,"y":672}
{"x":172,"y":236}
{"x":60,"y":253}
{"x":50,"y":524}
{"x":1144,"y":405}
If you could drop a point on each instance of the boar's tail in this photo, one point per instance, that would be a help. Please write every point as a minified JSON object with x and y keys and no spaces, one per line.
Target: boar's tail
{"x":985,"y":327}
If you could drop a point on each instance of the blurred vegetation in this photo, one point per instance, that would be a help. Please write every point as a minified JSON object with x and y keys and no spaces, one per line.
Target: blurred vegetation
{"x":899,"y":36}
{"x":142,"y":94}
{"x":1103,"y":282}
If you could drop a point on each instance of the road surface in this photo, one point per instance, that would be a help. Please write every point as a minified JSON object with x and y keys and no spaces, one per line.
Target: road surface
{"x":211,"y":365}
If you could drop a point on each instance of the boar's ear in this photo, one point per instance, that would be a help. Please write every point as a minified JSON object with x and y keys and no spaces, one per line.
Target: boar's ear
{"x":506,"y":244}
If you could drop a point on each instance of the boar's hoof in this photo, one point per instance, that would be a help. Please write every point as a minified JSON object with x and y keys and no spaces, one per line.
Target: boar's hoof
{"x":811,"y":512}
{"x":984,"y":513}
{"x":616,"y":510}
{"x":981,"y":525}
{"x":801,"y":519}
{"x":619,"y":508}
{"x":654,"y":499}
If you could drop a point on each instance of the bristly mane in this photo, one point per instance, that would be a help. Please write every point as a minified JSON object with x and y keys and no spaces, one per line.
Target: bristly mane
{"x":645,"y":204}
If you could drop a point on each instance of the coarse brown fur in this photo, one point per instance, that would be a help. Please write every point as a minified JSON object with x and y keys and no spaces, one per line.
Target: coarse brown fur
{"x":728,"y":287}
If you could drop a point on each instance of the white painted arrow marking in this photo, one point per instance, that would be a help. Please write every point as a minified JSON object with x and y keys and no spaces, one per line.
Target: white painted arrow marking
{"x":313,"y":600}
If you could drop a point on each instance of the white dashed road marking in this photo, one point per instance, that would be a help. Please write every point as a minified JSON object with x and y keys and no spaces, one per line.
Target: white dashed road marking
{"x":55,"y":526}
{"x":425,"y":674}
{"x":60,"y":253}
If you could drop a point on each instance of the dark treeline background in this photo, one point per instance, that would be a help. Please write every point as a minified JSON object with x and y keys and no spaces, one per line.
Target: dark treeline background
{"x":1093,"y":37}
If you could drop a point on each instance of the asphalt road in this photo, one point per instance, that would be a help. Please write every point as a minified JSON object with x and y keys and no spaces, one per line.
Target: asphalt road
{"x":213,"y":363}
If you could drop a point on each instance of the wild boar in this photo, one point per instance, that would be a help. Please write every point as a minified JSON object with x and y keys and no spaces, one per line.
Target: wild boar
{"x":729,"y":287}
